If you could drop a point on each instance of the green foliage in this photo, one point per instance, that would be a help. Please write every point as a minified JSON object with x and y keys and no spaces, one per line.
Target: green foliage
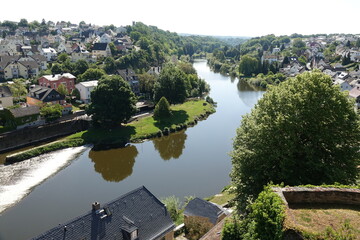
{"x":231,"y":230}
{"x":171,"y":84}
{"x":80,"y":67}
{"x":296,"y":134}
{"x":75,"y":92}
{"x":248,"y":65}
{"x":267,"y":214}
{"x":56,"y":68}
{"x":7,"y":120}
{"x":62,"y":89}
{"x":172,"y":204}
{"x":62,"y":57}
{"x":147,"y":82}
{"x":162,"y":109}
{"x":18,"y":88}
{"x":91,"y":74}
{"x":51,"y":112}
{"x":196,"y":227}
{"x":346,"y":232}
{"x":112,"y":102}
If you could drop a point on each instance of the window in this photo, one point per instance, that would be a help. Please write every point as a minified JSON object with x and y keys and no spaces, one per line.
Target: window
{"x":134,"y":235}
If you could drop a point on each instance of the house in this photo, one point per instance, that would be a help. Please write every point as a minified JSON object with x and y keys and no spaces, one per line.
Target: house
{"x":54,"y":81}
{"x":101,"y":50}
{"x":136,"y":215}
{"x":27,"y":116}
{"x":355,"y":94}
{"x":205,"y":209}
{"x":155,"y":71}
{"x":85,"y":88}
{"x":344,"y":85}
{"x":105,"y":38}
{"x":49,"y":53}
{"x":17,"y":66}
{"x":6,"y":97}
{"x":130,"y":76}
{"x":39,"y":95}
{"x":81,"y":53}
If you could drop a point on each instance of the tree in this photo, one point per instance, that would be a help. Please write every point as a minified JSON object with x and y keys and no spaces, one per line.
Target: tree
{"x":171,"y":84}
{"x":162,"y":109}
{"x":110,"y":65}
{"x":62,"y":89}
{"x":248,"y":65}
{"x":18,"y":88}
{"x":305,"y":131}
{"x":56,"y":68}
{"x":112,"y":102}
{"x":62,"y":57}
{"x":91,"y":74}
{"x":23,"y":23}
{"x":51,"y":112}
{"x":81,"y":66}
{"x":75,"y":93}
{"x":146,"y":82}
{"x":172,"y":204}
{"x":346,"y":59}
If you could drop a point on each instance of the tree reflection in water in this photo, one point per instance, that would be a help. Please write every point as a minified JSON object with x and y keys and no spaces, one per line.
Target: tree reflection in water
{"x":170,"y":146}
{"x":116,"y":164}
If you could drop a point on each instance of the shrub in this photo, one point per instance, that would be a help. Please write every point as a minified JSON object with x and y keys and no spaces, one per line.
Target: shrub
{"x":162,"y":109}
{"x":196,"y":227}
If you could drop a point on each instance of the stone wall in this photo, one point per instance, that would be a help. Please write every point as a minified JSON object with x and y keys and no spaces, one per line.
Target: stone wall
{"x":295,"y":195}
{"x":27,"y":136}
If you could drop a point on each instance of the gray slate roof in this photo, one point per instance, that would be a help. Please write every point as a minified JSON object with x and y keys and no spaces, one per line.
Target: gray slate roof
{"x":5,"y":91}
{"x":26,"y":111}
{"x":100,"y":46}
{"x":45,"y":94}
{"x":202,"y":208}
{"x":137,"y":210}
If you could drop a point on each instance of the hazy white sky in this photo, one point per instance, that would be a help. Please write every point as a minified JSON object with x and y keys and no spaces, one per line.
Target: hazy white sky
{"x":223,"y":17}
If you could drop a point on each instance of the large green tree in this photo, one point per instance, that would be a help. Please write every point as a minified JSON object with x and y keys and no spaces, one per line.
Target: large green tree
{"x":248,"y":65}
{"x":112,"y":102}
{"x":305,"y":131}
{"x":172,"y":84}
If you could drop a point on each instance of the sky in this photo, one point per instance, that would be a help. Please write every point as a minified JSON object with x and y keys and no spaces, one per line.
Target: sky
{"x":249,"y":18}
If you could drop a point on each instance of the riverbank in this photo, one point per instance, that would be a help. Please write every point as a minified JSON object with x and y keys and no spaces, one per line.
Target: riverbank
{"x":183,"y":116}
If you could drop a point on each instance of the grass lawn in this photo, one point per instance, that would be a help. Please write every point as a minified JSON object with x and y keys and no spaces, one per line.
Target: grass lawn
{"x":316,"y":218}
{"x":146,"y":127}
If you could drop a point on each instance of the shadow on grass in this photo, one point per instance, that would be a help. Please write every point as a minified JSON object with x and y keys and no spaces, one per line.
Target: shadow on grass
{"x":177,"y":117}
{"x":108,"y":138}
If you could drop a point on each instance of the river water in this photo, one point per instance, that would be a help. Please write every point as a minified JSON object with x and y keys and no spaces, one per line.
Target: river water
{"x":42,"y":192}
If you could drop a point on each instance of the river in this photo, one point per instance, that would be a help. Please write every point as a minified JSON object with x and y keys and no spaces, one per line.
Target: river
{"x":42,"y":192}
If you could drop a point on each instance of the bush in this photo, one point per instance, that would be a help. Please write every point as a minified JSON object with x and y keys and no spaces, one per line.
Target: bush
{"x":196,"y":227}
{"x":173,"y":206}
{"x":162,"y":109}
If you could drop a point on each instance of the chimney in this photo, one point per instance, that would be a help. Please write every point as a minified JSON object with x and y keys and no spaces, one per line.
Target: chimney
{"x":95,"y":206}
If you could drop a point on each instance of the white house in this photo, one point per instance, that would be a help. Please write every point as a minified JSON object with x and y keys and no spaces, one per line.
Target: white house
{"x":49,"y":53}
{"x":105,"y":38}
{"x":85,"y":89}
{"x":344,"y":86}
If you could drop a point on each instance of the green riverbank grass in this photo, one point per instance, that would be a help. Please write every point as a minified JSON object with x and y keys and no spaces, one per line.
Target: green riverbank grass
{"x":185,"y":114}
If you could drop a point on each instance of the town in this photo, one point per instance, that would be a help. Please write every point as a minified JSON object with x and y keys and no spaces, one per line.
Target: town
{"x":101,"y":90}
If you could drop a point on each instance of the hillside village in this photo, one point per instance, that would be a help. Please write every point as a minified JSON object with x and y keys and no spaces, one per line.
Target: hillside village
{"x":61,"y":64}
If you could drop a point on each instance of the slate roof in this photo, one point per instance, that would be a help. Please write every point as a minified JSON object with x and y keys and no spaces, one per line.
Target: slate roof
{"x":202,"y":208}
{"x":100,"y":46}
{"x":137,"y":210}
{"x":5,"y":91}
{"x":45,"y":94}
{"x":26,"y":111}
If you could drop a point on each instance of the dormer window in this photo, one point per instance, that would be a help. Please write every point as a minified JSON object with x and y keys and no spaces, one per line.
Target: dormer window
{"x":134,"y":235}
